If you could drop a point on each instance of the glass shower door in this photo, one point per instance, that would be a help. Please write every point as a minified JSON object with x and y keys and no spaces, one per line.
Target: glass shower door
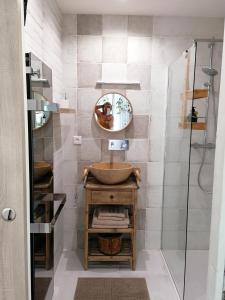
{"x":207,"y":80}
{"x":177,"y":165}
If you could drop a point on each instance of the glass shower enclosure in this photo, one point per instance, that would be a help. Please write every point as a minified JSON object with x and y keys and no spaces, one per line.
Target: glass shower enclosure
{"x":193,"y":90}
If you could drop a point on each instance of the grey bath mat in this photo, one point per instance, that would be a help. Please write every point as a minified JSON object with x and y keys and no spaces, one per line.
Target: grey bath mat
{"x":111,"y":289}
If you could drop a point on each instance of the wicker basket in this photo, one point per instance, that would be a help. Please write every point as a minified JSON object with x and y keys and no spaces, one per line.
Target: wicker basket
{"x":110,"y":244}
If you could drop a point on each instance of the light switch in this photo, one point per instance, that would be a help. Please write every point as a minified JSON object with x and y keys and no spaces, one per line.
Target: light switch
{"x":77,"y":140}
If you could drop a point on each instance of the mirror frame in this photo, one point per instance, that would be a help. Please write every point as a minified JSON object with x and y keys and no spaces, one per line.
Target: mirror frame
{"x":109,"y":130}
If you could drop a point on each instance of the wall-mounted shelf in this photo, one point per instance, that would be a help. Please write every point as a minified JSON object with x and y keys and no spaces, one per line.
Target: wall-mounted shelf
{"x":195,"y":126}
{"x":120,"y":84}
{"x":66,"y":111}
{"x":196,"y":94}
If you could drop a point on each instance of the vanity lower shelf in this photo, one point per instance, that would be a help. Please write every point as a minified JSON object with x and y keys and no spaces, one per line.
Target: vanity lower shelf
{"x":110,"y":230}
{"x":95,"y":255}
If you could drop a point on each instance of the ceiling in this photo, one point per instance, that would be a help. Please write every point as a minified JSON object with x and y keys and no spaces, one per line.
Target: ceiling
{"x":200,"y":8}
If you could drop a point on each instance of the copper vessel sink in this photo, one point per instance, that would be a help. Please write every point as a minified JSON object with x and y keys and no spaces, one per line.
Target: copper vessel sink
{"x":41,"y":168}
{"x":111,"y":173}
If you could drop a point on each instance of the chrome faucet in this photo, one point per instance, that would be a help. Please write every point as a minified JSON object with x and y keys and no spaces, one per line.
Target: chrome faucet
{"x":118,"y":145}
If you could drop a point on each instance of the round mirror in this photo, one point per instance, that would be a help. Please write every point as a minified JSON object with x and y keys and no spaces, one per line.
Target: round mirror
{"x":41,"y":118}
{"x":113,"y":112}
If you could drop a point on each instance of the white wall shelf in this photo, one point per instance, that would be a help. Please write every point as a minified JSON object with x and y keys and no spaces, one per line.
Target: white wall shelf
{"x":121,"y":84}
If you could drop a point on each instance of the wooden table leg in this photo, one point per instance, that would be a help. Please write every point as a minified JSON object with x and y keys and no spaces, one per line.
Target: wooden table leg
{"x":86,"y":224}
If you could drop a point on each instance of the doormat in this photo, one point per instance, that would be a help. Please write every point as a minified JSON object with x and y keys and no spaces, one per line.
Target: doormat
{"x":111,"y":289}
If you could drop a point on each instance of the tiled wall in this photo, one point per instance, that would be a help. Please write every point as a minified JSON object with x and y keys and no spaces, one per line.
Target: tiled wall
{"x":123,"y":48}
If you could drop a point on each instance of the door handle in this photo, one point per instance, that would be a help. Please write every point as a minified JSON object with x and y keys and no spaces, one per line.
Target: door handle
{"x":8,"y":214}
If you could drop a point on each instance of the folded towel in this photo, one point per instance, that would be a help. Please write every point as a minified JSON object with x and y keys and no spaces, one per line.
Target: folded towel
{"x":97,"y":221}
{"x":116,"y":211}
{"x":110,"y":222}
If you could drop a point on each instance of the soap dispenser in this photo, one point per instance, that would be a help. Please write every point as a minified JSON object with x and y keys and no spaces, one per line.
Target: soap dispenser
{"x":193,"y":115}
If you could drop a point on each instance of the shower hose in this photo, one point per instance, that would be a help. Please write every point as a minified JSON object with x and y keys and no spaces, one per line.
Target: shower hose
{"x":211,"y":92}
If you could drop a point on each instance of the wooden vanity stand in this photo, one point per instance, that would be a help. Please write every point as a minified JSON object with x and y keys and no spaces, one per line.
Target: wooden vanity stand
{"x":98,"y":194}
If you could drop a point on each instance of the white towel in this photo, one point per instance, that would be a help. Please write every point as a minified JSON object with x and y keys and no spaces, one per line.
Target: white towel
{"x":110,"y":222}
{"x":116,"y":211}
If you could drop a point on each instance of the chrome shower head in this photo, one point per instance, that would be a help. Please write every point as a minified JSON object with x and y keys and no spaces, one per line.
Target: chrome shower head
{"x":210,"y":71}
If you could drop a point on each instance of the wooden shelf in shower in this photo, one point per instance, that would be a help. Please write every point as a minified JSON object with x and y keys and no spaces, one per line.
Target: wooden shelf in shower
{"x":66,"y":110}
{"x":195,"y":126}
{"x":196,"y":94}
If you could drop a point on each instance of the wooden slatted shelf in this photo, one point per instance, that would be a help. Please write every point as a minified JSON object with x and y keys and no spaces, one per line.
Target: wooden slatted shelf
{"x":195,"y":125}
{"x":110,"y":230}
{"x":196,"y":94}
{"x":95,"y":255}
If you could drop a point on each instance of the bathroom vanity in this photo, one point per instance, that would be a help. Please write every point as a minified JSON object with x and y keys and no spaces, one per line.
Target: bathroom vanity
{"x":102,"y":195}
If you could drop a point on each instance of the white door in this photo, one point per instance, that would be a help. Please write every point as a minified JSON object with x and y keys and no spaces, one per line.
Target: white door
{"x":13,"y":176}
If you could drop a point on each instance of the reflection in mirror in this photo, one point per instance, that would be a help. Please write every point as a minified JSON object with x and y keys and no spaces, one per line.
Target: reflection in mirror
{"x":113,"y":112}
{"x":40,"y":117}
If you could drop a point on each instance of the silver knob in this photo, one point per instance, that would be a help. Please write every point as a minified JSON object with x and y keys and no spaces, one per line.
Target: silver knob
{"x":8,"y":214}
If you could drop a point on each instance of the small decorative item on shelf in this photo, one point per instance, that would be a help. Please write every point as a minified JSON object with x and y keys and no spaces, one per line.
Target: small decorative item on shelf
{"x":110,"y":244}
{"x":193,"y":116}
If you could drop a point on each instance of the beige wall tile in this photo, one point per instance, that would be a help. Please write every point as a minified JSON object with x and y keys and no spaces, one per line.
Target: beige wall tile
{"x":140,"y":26}
{"x":69,"y":49}
{"x":70,"y":75}
{"x":89,"y":49}
{"x":89,"y":24}
{"x":88,"y":74}
{"x":69,"y":26}
{"x":114,"y":72}
{"x":155,"y":173}
{"x":140,"y":101}
{"x":69,"y":172}
{"x":153,"y":239}
{"x":90,"y":149}
{"x":114,"y":50}
{"x":139,"y":127}
{"x":141,"y":219}
{"x":140,"y":73}
{"x":87,"y":99}
{"x":114,"y":25}
{"x":138,"y":151}
{"x":153,"y":218}
{"x":187,"y":26}
{"x":139,"y":50}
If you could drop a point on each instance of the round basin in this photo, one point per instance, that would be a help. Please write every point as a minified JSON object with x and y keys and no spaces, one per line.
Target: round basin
{"x":41,"y":168}
{"x":111,"y":173}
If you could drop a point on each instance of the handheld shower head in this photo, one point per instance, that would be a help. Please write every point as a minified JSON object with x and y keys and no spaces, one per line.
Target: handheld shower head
{"x":209,"y":71}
